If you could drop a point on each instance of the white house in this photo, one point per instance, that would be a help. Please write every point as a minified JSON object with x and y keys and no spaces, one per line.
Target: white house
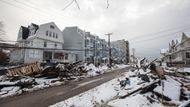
{"x":43,"y":43}
{"x":179,"y":52}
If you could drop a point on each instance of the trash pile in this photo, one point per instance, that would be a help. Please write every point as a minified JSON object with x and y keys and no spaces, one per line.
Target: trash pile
{"x":139,"y":88}
{"x":35,"y":76}
{"x":173,"y":90}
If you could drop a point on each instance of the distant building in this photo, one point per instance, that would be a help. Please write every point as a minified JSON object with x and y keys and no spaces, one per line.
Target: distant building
{"x":88,"y":48}
{"x":179,"y":53}
{"x":120,"y":51}
{"x":42,"y":43}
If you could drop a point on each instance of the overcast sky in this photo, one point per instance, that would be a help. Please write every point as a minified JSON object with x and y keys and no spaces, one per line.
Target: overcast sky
{"x":149,"y":25}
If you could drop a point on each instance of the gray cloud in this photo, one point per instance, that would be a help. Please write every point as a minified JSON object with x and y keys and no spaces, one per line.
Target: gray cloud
{"x":127,"y":19}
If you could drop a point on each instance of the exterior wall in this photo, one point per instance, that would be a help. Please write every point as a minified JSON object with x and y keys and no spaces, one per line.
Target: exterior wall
{"x":47,"y":37}
{"x":92,"y":47}
{"x":39,"y":43}
{"x":74,"y":39}
{"x":120,"y":50}
{"x":177,"y":54}
{"x":41,"y":33}
{"x":17,"y":56}
{"x":33,"y":55}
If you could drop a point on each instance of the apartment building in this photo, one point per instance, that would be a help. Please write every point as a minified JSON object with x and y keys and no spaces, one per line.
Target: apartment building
{"x":120,"y":51}
{"x":88,"y":47}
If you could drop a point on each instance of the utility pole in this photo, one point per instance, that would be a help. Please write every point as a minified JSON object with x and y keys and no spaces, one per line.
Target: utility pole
{"x":133,"y":50}
{"x":109,"y":59}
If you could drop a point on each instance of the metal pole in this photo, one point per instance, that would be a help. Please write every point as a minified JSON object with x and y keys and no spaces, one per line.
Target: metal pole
{"x":133,"y":50}
{"x":109,"y":59}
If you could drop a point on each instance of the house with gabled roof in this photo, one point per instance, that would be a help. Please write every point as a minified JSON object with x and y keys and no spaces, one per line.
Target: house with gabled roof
{"x":179,"y":53}
{"x":40,"y":43}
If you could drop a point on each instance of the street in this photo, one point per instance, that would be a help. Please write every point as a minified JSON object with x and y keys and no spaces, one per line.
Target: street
{"x":49,"y":96}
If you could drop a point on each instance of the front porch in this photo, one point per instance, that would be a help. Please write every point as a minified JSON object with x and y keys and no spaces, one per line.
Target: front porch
{"x":58,"y":56}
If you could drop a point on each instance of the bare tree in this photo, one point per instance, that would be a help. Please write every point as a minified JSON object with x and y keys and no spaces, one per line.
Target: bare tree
{"x":2,"y":32}
{"x":3,"y":55}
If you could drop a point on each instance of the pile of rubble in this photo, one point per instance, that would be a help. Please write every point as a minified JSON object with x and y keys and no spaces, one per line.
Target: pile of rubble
{"x":138,"y":88}
{"x":172,"y":90}
{"x":35,"y":76}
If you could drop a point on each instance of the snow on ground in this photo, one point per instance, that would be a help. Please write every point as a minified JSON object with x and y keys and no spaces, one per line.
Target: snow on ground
{"x":108,"y":93}
{"x":134,"y":101}
{"x":101,"y":94}
{"x":41,"y":83}
{"x":184,"y":70}
{"x":94,"y":71}
{"x":10,"y":91}
{"x":171,"y":88}
{"x":95,"y":96}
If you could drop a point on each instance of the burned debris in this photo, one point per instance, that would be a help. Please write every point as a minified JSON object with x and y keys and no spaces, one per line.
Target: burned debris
{"x":159,"y":84}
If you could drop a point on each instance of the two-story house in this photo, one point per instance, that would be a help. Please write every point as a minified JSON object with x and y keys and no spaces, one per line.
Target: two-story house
{"x":179,"y":53}
{"x":40,"y":43}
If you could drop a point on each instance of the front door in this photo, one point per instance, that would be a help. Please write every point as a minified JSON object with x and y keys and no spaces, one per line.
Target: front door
{"x":47,"y":56}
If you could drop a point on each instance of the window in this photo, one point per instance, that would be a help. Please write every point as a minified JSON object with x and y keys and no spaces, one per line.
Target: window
{"x":33,"y":54}
{"x":45,"y":44}
{"x":46,"y":33}
{"x":56,"y":36}
{"x":53,"y":34}
{"x":187,"y":54}
{"x":50,"y":34}
{"x":59,"y":56}
{"x":66,"y":56}
{"x":55,"y":45}
{"x":31,"y":43}
{"x":51,"y":26}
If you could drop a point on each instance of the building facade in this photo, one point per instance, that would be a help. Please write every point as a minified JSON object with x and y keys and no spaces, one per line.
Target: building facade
{"x":88,"y":48}
{"x":41,"y":43}
{"x":120,"y":51}
{"x":179,"y":53}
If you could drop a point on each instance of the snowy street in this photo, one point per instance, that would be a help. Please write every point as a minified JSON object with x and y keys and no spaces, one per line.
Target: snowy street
{"x":139,"y":92}
{"x":49,"y":96}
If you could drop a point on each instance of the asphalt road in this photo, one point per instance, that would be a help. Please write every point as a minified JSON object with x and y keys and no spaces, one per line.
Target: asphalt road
{"x":49,"y":96}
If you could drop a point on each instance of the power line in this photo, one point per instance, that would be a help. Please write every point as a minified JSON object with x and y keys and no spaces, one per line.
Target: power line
{"x":68,"y":5}
{"x":77,"y":4}
{"x":54,"y":10}
{"x":10,"y":4}
{"x":108,"y":4}
{"x":160,"y":32}
{"x":42,"y":13}
{"x":159,"y":37}
{"x":22,"y":8}
{"x":71,"y":4}
{"x":38,"y":9}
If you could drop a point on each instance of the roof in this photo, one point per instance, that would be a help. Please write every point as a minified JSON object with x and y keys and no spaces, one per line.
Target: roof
{"x":184,"y":37}
{"x":35,"y":25}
